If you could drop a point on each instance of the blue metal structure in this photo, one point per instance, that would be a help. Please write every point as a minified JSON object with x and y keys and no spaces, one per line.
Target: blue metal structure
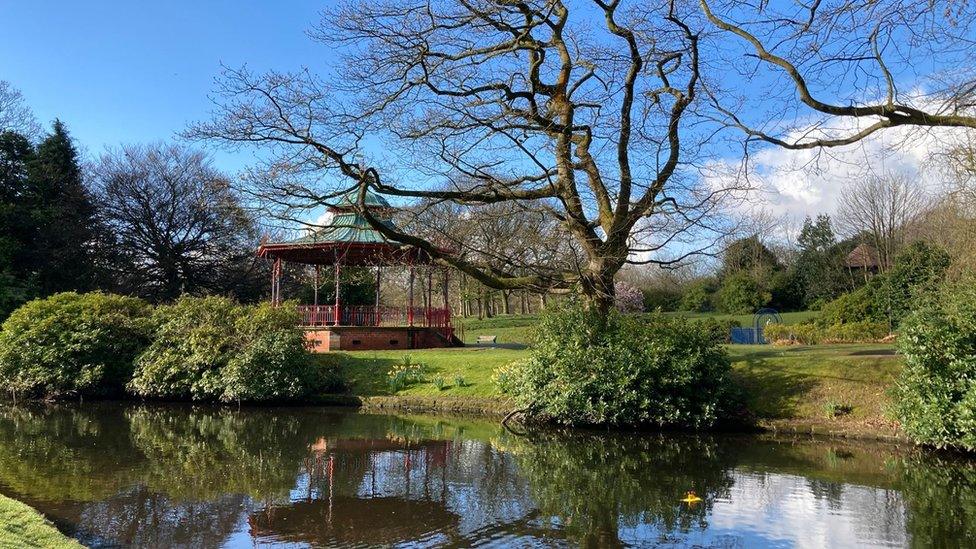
{"x":754,"y":335}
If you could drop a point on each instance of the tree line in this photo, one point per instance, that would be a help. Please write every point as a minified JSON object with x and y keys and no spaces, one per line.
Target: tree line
{"x":154,"y":220}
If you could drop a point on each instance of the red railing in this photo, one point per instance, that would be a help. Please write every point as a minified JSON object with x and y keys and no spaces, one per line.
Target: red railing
{"x":371,"y":315}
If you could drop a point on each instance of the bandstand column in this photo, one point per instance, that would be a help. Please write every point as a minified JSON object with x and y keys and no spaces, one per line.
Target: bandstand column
{"x":410,"y":298}
{"x":315,"y":291}
{"x":338,"y":314}
{"x":376,"y":312}
{"x":430,"y":291}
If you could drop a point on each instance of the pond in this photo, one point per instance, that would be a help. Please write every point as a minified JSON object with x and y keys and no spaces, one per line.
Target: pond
{"x":164,"y":475}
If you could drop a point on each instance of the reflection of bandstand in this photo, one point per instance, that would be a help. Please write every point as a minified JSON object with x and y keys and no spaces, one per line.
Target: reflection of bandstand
{"x":339,"y":510}
{"x":348,"y":240}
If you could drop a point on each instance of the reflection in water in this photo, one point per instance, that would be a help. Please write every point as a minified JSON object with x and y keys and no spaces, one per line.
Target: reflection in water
{"x":140,"y":475}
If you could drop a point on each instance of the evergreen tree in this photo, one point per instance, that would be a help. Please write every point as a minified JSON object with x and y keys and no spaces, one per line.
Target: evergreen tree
{"x":820,"y":264}
{"x":64,"y":213}
{"x":17,"y":227}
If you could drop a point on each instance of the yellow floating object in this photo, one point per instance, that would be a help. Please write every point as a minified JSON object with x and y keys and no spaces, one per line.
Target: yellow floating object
{"x":691,"y":497}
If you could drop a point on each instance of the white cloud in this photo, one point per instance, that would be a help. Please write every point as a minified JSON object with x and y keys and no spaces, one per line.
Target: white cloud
{"x":808,"y":182}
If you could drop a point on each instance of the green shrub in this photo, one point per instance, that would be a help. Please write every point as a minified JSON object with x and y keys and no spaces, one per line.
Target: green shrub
{"x":740,"y":294}
{"x":935,"y":397}
{"x":918,"y":270}
{"x":697,"y":297}
{"x":588,"y":369}
{"x":213,"y":349}
{"x":802,"y":334}
{"x":857,"y":306}
{"x":855,"y":332}
{"x":72,"y":344}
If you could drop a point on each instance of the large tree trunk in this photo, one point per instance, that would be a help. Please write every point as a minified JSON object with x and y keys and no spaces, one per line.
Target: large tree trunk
{"x":597,"y":289}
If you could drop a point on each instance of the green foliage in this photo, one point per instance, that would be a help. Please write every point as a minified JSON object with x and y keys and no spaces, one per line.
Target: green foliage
{"x":459,"y":381}
{"x":440,"y":383}
{"x":698,"y":297}
{"x":919,"y":269}
{"x":65,"y":213}
{"x":662,"y":298}
{"x":936,"y":395}
{"x":213,"y":349}
{"x":587,"y":369}
{"x":863,"y":304}
{"x":813,"y":334}
{"x":741,"y":294}
{"x":72,"y":344}
{"x":803,"y":334}
{"x":17,"y":226}
{"x":888,"y":298}
{"x":864,"y":331}
{"x":748,"y":254}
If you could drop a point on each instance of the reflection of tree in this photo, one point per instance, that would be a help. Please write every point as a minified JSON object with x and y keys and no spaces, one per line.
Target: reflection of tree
{"x":940,"y":496}
{"x":596,"y":484}
{"x":62,"y":452}
{"x":203,"y":453}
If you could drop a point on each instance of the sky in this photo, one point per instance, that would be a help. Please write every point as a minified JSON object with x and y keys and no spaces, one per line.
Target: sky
{"x":120,"y":72}
{"x":130,"y":71}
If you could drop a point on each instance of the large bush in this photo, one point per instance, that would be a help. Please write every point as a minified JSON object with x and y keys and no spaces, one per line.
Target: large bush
{"x":72,"y":344}
{"x":213,"y":349}
{"x":935,"y":398}
{"x":741,"y":294}
{"x":587,"y":369}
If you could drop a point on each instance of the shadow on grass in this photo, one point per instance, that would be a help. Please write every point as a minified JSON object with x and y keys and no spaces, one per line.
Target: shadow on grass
{"x":771,"y":392}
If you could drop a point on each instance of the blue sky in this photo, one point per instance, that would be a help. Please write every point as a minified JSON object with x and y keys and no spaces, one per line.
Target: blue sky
{"x":135,"y":71}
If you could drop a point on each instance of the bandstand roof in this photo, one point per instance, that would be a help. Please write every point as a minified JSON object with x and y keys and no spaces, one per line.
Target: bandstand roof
{"x":347,"y":239}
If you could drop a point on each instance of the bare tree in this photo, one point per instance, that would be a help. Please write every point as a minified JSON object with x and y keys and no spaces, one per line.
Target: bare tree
{"x":880,"y":209}
{"x":574,"y":111}
{"x":177,"y":226}
{"x":831,"y":72}
{"x":15,"y":115}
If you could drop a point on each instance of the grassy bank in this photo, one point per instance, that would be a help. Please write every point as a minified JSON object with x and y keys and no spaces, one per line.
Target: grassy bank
{"x":830,"y":389}
{"x":833,"y":389}
{"x":22,"y":526}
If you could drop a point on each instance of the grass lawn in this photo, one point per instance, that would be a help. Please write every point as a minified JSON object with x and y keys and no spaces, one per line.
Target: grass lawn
{"x":517,"y":329}
{"x":837,"y":387}
{"x":366,"y":371}
{"x":22,"y":526}
{"x":805,"y":383}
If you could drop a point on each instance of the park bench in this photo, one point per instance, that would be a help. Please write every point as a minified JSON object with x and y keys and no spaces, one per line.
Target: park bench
{"x":485,"y":339}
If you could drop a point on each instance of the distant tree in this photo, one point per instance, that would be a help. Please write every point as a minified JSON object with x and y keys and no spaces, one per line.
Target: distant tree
{"x":15,"y":115}
{"x":819,"y":267}
{"x":63,"y":209}
{"x":17,"y":226}
{"x":880,"y":208}
{"x":751,"y":255}
{"x":177,"y":225}
{"x":740,"y":293}
{"x":697,"y":296}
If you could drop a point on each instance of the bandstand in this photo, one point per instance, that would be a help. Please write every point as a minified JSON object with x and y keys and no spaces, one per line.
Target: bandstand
{"x":349,"y":241}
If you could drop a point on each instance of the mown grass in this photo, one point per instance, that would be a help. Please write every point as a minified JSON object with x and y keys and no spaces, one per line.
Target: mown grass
{"x":809,"y":383}
{"x":366,"y":371}
{"x":517,"y":329}
{"x":22,"y":526}
{"x":801,"y":383}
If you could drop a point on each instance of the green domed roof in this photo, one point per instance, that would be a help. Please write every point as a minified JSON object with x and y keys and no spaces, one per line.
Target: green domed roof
{"x":371,"y":200}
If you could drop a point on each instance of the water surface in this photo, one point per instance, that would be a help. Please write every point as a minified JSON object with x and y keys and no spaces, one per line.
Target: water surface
{"x":161,"y":476}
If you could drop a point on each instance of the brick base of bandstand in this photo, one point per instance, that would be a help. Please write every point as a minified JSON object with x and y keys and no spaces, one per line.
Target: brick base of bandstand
{"x":376,"y":338}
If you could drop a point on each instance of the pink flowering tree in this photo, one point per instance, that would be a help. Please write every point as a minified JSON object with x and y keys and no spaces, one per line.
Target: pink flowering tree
{"x":627,"y":297}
